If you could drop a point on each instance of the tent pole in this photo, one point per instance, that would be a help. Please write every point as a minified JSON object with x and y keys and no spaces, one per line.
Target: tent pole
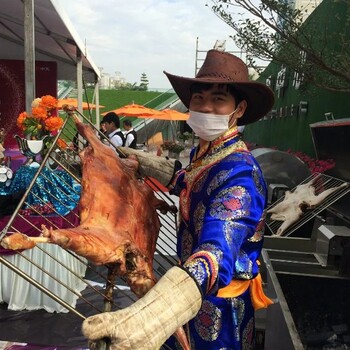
{"x":97,"y":102}
{"x":29,"y":53}
{"x":80,"y":81}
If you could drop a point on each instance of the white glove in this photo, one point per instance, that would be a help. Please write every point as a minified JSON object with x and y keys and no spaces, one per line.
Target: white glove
{"x":151,"y":320}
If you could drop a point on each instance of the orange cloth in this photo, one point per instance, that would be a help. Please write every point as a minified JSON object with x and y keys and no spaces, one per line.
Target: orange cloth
{"x":238,"y":287}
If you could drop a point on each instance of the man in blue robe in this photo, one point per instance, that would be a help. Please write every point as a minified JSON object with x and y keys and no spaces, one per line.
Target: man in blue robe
{"x":217,"y":286}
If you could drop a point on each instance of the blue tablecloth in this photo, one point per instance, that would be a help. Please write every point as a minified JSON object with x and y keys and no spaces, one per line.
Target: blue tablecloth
{"x":63,"y":279}
{"x":55,"y":187}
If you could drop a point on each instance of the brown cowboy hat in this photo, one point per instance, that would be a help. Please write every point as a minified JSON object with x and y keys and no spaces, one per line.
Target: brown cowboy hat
{"x":224,"y":68}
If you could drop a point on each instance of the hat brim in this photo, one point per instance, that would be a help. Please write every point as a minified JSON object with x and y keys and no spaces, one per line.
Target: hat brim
{"x":259,"y":97}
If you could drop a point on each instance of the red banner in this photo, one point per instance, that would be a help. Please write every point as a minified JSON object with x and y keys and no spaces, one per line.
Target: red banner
{"x":12,"y":87}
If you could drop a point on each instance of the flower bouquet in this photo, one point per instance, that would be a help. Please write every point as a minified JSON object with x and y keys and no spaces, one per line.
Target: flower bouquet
{"x":315,"y":165}
{"x":40,"y":122}
{"x":39,"y":127}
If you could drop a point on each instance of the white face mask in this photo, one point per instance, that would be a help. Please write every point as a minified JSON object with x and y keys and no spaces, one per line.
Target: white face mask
{"x":208,"y":126}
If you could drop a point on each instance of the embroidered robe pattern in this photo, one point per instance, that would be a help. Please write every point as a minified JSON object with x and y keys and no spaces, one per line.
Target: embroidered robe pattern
{"x":220,"y":237}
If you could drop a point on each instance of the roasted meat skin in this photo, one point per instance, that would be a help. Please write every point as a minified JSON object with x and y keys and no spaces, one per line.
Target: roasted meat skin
{"x":119,"y":222}
{"x":17,"y":241}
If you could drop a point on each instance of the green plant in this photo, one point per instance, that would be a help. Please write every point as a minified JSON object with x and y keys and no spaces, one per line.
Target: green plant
{"x":172,"y":146}
{"x":184,"y":136}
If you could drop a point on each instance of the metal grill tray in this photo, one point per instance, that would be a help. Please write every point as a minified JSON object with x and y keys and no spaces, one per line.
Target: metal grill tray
{"x":321,"y":182}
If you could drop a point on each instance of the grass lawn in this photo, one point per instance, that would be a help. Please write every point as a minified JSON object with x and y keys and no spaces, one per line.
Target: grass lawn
{"x":113,"y":99}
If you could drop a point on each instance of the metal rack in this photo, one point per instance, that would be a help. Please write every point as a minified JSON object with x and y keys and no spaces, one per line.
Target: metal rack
{"x":111,"y":293}
{"x":321,"y":183}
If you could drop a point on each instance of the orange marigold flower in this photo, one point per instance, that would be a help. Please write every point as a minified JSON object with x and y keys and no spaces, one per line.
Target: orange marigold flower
{"x":62,"y":143}
{"x":36,"y":102}
{"x":53,"y":123}
{"x":48,"y":102}
{"x":20,"y":120}
{"x":40,"y":122}
{"x":39,"y":112}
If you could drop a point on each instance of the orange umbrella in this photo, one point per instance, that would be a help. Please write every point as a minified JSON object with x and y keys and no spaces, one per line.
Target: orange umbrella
{"x":74,"y":102}
{"x":134,"y":110}
{"x":170,"y":114}
{"x":165,"y":114}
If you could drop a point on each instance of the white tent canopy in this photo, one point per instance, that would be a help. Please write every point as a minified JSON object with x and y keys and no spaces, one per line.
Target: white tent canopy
{"x":52,"y":38}
{"x":55,"y":38}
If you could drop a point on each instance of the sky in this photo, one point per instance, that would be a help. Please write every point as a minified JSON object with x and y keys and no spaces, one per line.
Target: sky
{"x":147,"y":36}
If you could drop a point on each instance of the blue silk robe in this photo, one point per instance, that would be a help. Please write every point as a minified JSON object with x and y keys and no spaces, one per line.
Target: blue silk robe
{"x":220,"y":237}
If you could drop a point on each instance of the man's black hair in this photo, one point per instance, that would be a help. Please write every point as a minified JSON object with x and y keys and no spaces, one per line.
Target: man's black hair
{"x":198,"y":87}
{"x":127,"y":122}
{"x":111,"y":117}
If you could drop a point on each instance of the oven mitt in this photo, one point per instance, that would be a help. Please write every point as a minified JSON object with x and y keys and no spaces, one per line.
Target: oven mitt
{"x":160,"y":168}
{"x":151,"y":320}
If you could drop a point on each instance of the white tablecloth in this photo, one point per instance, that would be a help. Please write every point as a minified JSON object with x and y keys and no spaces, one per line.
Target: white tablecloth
{"x":21,"y":295}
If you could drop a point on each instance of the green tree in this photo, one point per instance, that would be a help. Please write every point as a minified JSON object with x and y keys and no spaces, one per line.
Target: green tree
{"x":144,"y":82}
{"x":128,"y":86}
{"x":317,"y":49}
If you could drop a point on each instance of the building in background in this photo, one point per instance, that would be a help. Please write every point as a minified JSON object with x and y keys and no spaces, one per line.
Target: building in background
{"x":111,"y":82}
{"x":299,"y":104}
{"x":306,"y":6}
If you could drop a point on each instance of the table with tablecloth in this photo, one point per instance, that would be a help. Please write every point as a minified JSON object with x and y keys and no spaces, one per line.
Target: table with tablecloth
{"x":58,"y":188}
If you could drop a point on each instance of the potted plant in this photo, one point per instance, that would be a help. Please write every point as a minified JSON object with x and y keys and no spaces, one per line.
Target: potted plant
{"x":184,"y":136}
{"x":174,"y":148}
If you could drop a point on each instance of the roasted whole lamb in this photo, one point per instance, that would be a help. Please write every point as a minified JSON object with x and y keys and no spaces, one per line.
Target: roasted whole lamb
{"x":119,"y":223}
